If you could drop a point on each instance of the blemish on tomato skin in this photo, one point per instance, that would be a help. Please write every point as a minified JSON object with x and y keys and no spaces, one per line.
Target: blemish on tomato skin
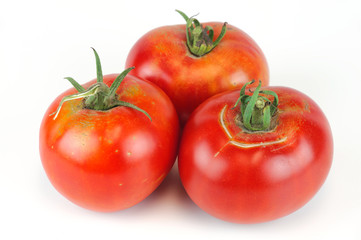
{"x":284,"y":145}
{"x":160,"y":178}
{"x":129,"y":154}
{"x":86,"y":124}
{"x":131,"y":91}
{"x":306,"y":106}
{"x":116,"y":150}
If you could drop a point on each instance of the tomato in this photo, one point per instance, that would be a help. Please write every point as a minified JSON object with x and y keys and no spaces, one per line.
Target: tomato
{"x":108,"y":160}
{"x":255,"y":175}
{"x":162,"y":56}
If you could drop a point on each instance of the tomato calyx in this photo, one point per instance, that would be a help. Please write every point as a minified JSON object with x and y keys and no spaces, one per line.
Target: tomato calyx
{"x":199,"y":38}
{"x":99,"y":96}
{"x":257,"y":113}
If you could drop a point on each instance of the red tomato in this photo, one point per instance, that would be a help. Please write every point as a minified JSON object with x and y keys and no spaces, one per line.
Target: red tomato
{"x":248,"y":177}
{"x":162,"y":56}
{"x":110,"y":160}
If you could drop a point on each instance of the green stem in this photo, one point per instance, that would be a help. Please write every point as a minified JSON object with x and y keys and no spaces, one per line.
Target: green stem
{"x":99,"y":96}
{"x":257,"y":111}
{"x":199,"y":38}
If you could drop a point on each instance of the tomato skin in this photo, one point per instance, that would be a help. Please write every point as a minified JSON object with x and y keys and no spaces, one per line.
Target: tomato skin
{"x":161,"y":56}
{"x":264,"y":181}
{"x":110,"y":160}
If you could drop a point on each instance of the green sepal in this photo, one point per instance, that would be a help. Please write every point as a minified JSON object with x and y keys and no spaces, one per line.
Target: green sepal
{"x":247,"y":115}
{"x":99,"y":67}
{"x":75,"y":84}
{"x":221,"y":35}
{"x":130,"y":105}
{"x":242,"y":93}
{"x":118,"y":81}
{"x":183,"y":15}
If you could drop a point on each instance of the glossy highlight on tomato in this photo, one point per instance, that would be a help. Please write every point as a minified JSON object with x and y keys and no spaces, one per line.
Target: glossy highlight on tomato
{"x":249,"y":177}
{"x":163,"y":57}
{"x":108,"y":160}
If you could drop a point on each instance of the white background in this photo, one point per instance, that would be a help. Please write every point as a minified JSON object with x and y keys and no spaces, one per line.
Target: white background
{"x":313,"y":46}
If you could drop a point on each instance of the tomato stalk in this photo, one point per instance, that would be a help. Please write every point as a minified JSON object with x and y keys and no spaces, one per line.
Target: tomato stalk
{"x":257,"y":113}
{"x":199,"y":38}
{"x":99,"y":96}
